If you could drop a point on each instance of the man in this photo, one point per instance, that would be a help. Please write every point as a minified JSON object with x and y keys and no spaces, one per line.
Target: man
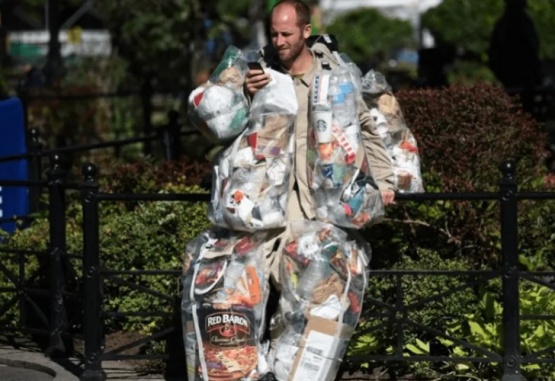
{"x":290,"y":30}
{"x":319,"y":270}
{"x":289,"y":52}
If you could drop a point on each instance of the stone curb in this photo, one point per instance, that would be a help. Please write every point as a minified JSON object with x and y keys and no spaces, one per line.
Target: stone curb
{"x":36,"y":361}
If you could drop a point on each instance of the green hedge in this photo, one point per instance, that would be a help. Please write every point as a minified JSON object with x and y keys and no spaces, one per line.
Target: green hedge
{"x":464,"y":134}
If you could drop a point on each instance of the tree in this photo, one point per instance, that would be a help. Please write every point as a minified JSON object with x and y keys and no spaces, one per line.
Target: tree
{"x":164,"y":39}
{"x":468,"y":24}
{"x":543,"y":14}
{"x":368,"y":37}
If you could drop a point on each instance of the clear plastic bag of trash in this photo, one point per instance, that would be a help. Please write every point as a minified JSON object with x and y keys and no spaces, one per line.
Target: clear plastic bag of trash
{"x":277,"y":97}
{"x":219,"y":107}
{"x":340,"y":179}
{"x":398,"y":139}
{"x":223,"y":303}
{"x":251,"y":178}
{"x":323,"y":274}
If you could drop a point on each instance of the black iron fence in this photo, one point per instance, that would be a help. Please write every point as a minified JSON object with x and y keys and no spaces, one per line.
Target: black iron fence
{"x":56,"y":319}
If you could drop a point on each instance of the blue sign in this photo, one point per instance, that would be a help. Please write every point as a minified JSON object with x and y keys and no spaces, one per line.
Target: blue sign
{"x":14,"y":201}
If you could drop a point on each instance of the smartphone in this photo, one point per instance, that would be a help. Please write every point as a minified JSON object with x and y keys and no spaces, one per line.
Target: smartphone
{"x":255,"y":65}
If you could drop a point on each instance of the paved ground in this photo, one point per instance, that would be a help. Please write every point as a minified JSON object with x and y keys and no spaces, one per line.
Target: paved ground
{"x":13,"y":373}
{"x":28,"y":363}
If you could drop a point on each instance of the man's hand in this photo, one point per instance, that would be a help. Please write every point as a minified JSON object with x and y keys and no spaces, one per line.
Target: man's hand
{"x":388,"y":197}
{"x":255,"y":80}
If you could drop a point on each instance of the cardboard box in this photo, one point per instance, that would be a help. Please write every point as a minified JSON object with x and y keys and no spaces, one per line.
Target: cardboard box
{"x":321,"y":350}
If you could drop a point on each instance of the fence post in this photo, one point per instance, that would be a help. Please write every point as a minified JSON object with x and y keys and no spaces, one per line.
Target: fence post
{"x":57,"y":249}
{"x":23,"y":95}
{"x":34,"y":147}
{"x":509,"y":241}
{"x":170,"y":136}
{"x":92,"y":298}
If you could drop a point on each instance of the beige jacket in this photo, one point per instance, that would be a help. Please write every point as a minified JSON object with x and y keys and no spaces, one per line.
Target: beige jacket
{"x":301,"y":203}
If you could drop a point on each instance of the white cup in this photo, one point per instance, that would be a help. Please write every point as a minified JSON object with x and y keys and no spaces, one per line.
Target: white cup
{"x":322,"y":120}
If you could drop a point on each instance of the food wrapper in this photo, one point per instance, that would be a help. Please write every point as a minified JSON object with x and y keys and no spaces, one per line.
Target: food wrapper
{"x":339,"y":175}
{"x":251,"y":177}
{"x":223,"y":303}
{"x":219,"y":108}
{"x":392,"y":128}
{"x":323,"y":275}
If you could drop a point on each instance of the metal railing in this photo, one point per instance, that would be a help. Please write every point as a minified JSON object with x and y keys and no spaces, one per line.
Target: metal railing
{"x":511,"y":357}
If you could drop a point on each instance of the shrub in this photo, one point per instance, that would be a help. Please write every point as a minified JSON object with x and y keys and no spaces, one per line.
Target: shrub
{"x":133,"y":236}
{"x":464,"y":134}
{"x":426,"y":301}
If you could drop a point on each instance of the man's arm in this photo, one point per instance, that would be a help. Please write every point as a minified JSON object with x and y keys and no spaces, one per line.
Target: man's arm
{"x":378,"y":159}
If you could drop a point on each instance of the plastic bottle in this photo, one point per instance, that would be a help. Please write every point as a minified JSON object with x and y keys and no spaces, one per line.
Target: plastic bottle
{"x":311,"y":276}
{"x":342,"y":94}
{"x":233,"y":272}
{"x":336,"y":99}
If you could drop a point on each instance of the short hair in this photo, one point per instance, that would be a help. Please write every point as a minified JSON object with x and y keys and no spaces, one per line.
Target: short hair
{"x":302,"y":10}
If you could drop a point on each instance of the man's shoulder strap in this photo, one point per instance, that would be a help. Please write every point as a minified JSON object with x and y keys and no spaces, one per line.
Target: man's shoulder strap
{"x":326,"y":48}
{"x":328,"y":40}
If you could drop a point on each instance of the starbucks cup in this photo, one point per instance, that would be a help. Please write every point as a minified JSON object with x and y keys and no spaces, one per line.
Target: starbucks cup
{"x":322,"y":124}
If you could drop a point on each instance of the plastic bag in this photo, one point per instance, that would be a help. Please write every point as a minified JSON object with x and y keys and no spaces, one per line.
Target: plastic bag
{"x":340,"y":179}
{"x":323,"y":275}
{"x":251,"y":178}
{"x":223,"y":303}
{"x":397,"y":137}
{"x":219,"y":108}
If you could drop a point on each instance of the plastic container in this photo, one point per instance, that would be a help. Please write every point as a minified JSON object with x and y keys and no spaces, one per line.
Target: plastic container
{"x":342,"y":97}
{"x":314,"y":273}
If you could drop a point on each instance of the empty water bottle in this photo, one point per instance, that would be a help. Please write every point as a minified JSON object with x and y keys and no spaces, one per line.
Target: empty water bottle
{"x":313,"y":275}
{"x":342,"y":94}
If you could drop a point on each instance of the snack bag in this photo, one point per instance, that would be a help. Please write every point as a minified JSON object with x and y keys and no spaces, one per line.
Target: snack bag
{"x":223,"y":306}
{"x":339,"y":175}
{"x":323,"y":274}
{"x":251,"y":178}
{"x":219,"y":108}
{"x":397,"y":137}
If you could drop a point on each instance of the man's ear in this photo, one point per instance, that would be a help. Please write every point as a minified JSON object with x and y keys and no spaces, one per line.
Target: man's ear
{"x":307,"y":31}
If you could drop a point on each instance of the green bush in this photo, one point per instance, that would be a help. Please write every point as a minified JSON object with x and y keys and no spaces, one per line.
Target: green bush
{"x":464,"y":134}
{"x":133,"y":236}
{"x":147,"y":235}
{"x":423,"y":299}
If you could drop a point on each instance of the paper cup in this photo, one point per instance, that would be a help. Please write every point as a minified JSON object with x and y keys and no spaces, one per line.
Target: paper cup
{"x":322,"y":124}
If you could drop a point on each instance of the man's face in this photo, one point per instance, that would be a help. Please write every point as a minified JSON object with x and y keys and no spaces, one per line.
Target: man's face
{"x":287,"y":36}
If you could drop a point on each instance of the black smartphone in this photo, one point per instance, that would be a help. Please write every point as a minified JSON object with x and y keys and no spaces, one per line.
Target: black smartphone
{"x":255,"y":65}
